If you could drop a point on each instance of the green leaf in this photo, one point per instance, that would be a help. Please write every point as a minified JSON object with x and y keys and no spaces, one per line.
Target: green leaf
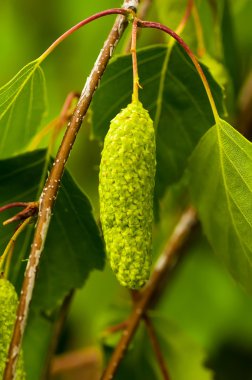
{"x":221,"y":187}
{"x":22,"y":105}
{"x":73,"y":246}
{"x":204,"y":300}
{"x":183,"y":355}
{"x":174,"y":96}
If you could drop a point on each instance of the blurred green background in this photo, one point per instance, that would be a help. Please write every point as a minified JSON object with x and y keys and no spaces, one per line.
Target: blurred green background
{"x":202,"y":299}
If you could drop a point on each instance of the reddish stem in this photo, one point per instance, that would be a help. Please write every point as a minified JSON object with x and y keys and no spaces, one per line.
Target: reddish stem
{"x":30,"y":209}
{"x":64,"y":116}
{"x":67,"y":104}
{"x":157,"y":25}
{"x":12,"y":205}
{"x":115,"y":328}
{"x":199,"y":33}
{"x":185,"y":18}
{"x":120,"y":11}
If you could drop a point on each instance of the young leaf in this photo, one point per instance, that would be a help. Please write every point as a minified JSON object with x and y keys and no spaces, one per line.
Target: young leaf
{"x":22,"y":105}
{"x":73,"y":247}
{"x":174,"y":96}
{"x":221,"y":187}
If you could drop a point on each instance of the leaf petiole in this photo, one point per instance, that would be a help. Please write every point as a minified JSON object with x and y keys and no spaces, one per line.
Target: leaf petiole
{"x":157,"y":25}
{"x":12,"y":241}
{"x":120,"y":11}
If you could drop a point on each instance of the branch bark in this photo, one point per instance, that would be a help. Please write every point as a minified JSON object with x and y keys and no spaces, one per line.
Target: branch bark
{"x":162,"y":268}
{"x":51,"y":187}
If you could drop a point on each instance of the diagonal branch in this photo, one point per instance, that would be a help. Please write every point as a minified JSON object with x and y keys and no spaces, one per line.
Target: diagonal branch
{"x":161,"y":271}
{"x":51,"y":187}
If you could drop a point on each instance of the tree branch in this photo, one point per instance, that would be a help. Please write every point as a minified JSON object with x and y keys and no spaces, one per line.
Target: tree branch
{"x":51,"y":187}
{"x":162,"y":268}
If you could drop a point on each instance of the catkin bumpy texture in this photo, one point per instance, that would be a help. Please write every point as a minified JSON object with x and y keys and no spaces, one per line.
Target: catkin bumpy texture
{"x":8,"y":306}
{"x":126,"y":185}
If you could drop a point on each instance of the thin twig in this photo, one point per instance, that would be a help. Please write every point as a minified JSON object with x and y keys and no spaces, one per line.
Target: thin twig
{"x":51,"y":187}
{"x":201,"y":49}
{"x":244,"y":121}
{"x":13,"y":239}
{"x":185,"y":17}
{"x":31,"y":209}
{"x":135,"y":295}
{"x":56,"y":124}
{"x":152,"y":335}
{"x":67,"y":105}
{"x":60,"y":322}
{"x":12,"y":205}
{"x":162,"y":268}
{"x":144,"y":8}
{"x":156,"y":347}
{"x":76,"y":360}
{"x":64,"y":116}
{"x":115,"y":328}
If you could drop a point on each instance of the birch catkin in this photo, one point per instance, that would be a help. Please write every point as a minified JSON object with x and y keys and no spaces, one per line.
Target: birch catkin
{"x":127,"y":174}
{"x":8,"y":306}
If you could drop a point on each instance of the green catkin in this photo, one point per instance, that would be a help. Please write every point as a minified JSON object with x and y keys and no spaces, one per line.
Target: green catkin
{"x":126,"y":184}
{"x":8,"y":306}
